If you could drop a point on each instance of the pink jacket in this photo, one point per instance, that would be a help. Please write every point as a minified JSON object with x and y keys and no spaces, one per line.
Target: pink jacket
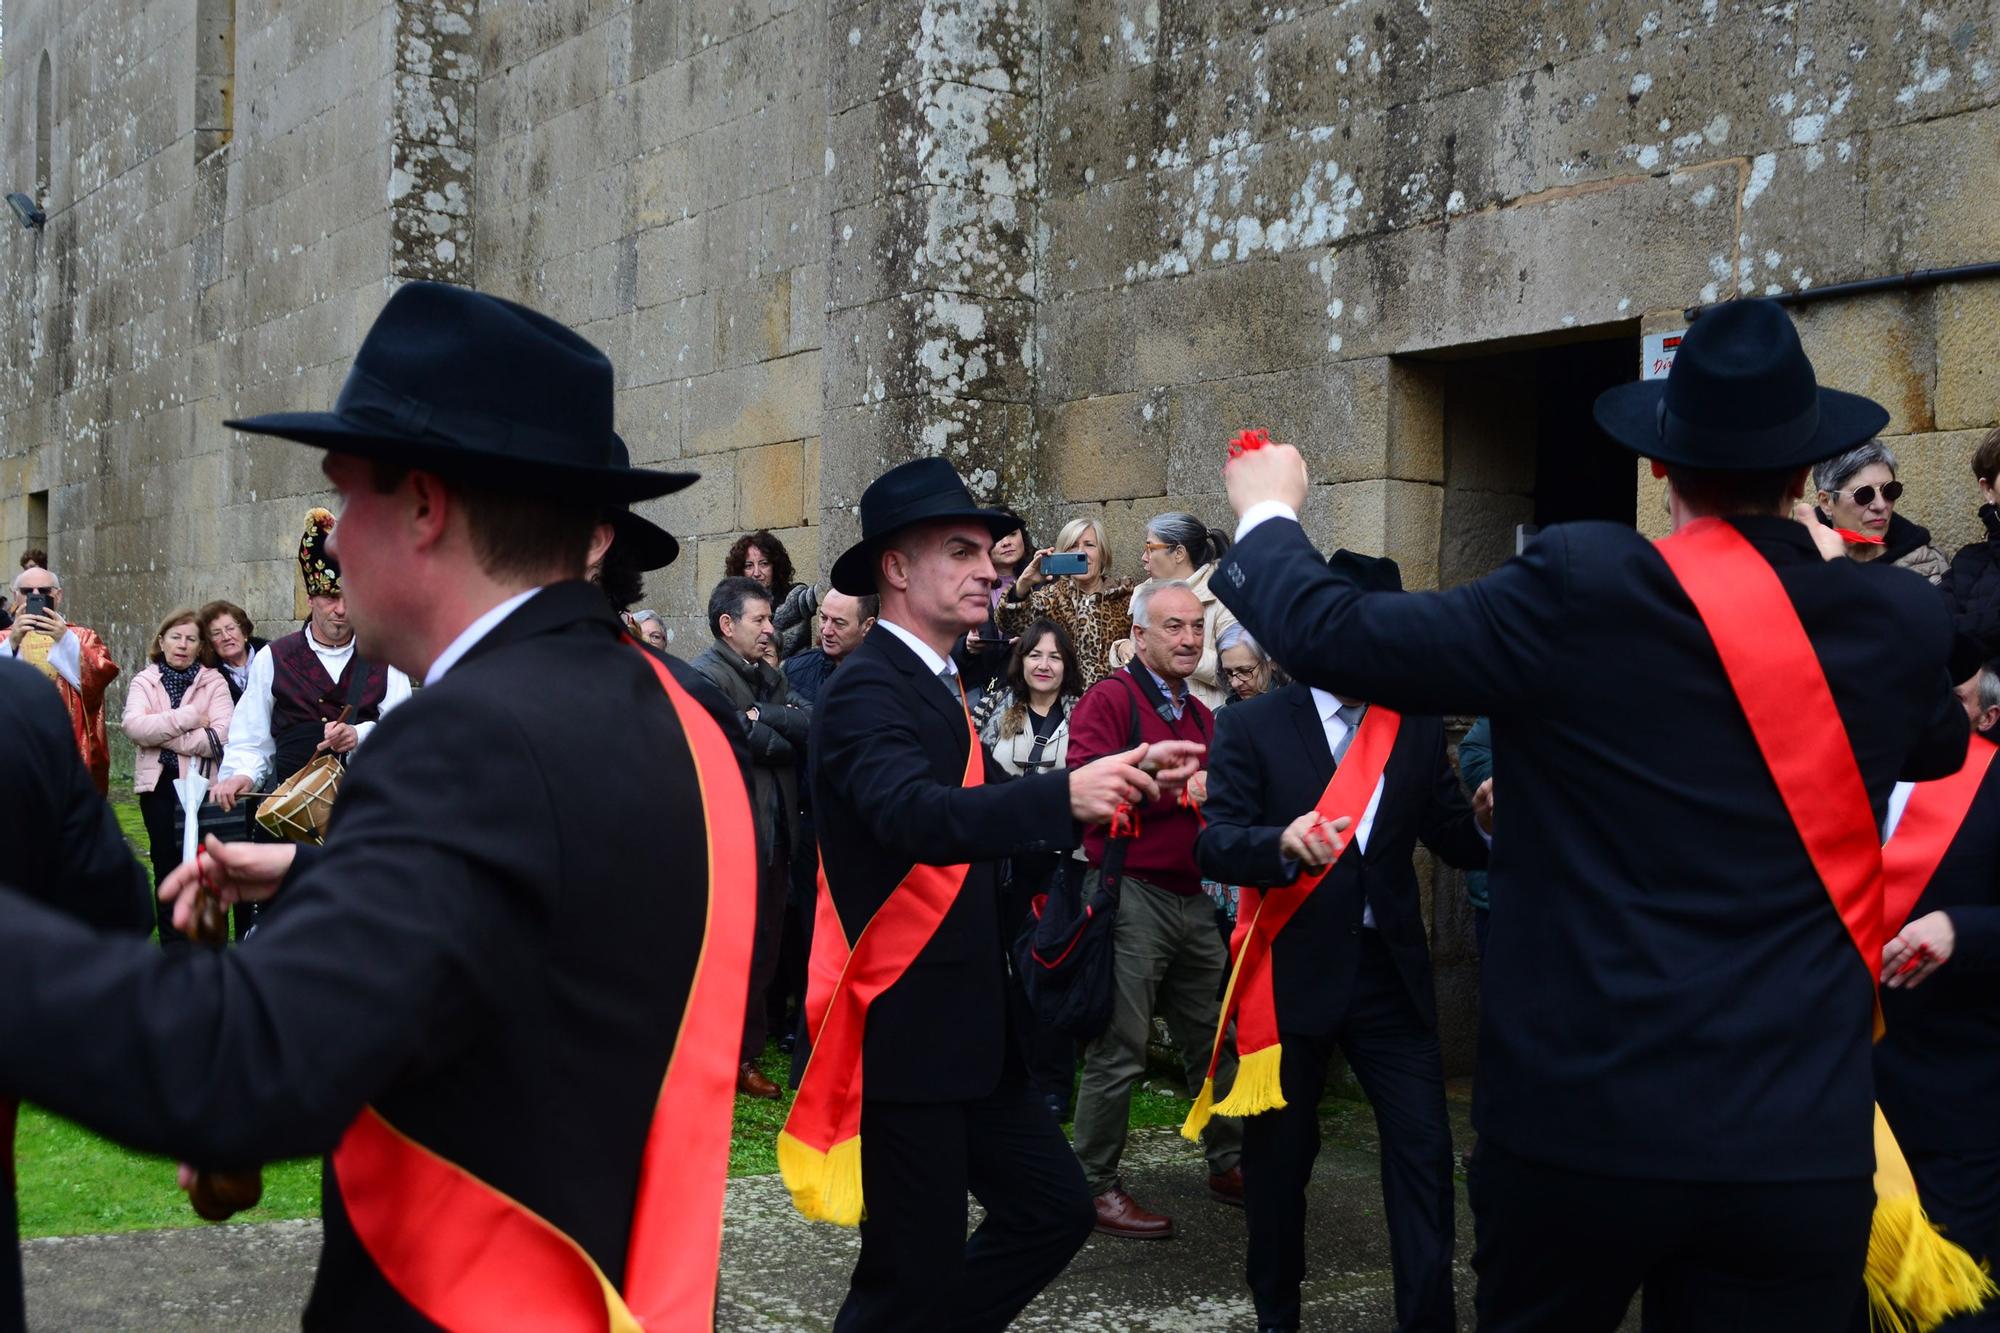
{"x":154,"y":726}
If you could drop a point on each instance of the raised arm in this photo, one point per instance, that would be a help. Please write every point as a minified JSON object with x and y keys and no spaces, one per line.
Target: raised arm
{"x":866,"y":748}
{"x":1481,"y":647}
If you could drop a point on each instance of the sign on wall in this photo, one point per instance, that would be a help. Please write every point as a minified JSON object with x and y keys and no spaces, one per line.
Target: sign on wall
{"x":1657,"y":354}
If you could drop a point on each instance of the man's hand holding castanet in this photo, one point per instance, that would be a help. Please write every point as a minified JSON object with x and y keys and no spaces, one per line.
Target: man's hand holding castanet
{"x":1097,"y":789}
{"x":237,"y":872}
{"x":1313,"y":841}
{"x":1265,"y":472}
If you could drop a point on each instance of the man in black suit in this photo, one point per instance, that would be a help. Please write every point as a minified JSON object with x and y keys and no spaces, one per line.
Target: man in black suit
{"x":1350,"y":971}
{"x":1679,"y":1093}
{"x":64,"y":850}
{"x":486,"y":953}
{"x":1937,"y":1067}
{"x":946,"y":1105}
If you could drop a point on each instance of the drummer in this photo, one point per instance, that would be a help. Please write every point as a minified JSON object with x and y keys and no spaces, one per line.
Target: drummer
{"x":298,"y":690}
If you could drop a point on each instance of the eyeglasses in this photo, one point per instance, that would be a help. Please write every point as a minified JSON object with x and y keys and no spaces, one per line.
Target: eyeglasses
{"x":1159,"y":546}
{"x":1865,"y":495}
{"x":1241,"y":673}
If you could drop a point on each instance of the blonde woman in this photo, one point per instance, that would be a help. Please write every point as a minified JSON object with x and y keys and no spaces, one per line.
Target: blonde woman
{"x":1092,"y":610}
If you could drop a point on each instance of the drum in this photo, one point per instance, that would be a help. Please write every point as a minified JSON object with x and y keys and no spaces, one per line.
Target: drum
{"x":299,"y":808}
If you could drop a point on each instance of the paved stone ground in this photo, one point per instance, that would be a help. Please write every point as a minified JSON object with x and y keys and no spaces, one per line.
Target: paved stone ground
{"x":781,"y":1273}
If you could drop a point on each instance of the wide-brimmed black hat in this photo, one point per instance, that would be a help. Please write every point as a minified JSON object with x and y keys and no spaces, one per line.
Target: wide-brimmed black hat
{"x":644,"y":543}
{"x":1372,"y":573}
{"x":458,"y":382}
{"x":923,"y":491}
{"x":1741,"y":397}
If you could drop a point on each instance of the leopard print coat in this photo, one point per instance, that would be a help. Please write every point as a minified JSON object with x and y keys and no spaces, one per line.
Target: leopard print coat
{"x":1095,"y":620}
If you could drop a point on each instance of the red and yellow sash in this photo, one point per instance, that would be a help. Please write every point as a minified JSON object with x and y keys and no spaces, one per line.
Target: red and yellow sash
{"x":1249,"y":997}
{"x":1915,"y":1278}
{"x":1935,"y":813}
{"x":819,"y":1149}
{"x":469,"y":1258}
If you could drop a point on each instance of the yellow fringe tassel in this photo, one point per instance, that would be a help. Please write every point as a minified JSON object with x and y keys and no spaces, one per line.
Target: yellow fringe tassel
{"x":1256,"y":1089}
{"x":1203,"y":1112}
{"x":1916,"y":1278}
{"x":825,"y":1186}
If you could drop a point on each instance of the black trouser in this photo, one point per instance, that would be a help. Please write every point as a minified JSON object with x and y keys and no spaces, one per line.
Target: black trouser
{"x":156,"y":808}
{"x":1565,"y":1250}
{"x":1396,"y":1058}
{"x":917,"y":1268}
{"x":1961,"y":1193}
{"x":772,"y":880}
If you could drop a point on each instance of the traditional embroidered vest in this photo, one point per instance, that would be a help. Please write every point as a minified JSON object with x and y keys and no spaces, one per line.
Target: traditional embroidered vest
{"x":304,"y":698}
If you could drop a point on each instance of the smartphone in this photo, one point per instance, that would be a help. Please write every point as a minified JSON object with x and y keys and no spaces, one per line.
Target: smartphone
{"x":1069,"y":562}
{"x":37,"y":603}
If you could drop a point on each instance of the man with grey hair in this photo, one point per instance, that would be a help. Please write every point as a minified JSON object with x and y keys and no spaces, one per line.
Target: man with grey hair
{"x":1857,"y":497}
{"x":1166,"y":955}
{"x":73,"y":657}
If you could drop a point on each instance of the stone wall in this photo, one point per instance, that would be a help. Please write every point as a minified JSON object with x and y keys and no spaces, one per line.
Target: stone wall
{"x":1070,"y":244}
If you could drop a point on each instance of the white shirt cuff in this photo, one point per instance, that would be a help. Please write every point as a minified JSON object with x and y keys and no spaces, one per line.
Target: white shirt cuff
{"x":66,"y":656}
{"x":1262,"y":510}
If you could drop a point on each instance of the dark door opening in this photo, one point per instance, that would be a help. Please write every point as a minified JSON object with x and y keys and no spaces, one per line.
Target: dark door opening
{"x":1521,"y":448}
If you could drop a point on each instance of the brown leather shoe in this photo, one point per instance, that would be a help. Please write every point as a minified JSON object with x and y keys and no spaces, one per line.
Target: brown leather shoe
{"x":1119,"y":1214}
{"x":750,"y":1082}
{"x":1227,"y":1187}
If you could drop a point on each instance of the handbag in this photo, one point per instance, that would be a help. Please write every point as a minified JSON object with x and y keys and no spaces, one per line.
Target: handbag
{"x":299,"y":808}
{"x":1063,"y":952}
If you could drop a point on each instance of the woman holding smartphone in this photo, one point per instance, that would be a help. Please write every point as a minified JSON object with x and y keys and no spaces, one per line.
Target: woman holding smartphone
{"x":1093,"y":611}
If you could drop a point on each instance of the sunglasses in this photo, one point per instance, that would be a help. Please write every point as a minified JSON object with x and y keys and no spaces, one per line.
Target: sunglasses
{"x":1865,"y":495}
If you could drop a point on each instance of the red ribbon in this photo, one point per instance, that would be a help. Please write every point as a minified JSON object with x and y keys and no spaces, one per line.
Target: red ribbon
{"x":1247,"y":441}
{"x":1861,"y":539}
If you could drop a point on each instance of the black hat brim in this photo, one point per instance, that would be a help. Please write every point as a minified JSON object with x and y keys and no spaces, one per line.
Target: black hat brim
{"x":1630,"y":415}
{"x":646,"y":545}
{"x":854,"y":572}
{"x":335,"y":434}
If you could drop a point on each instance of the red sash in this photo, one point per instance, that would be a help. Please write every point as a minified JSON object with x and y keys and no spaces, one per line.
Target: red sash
{"x":1777,"y":679}
{"x":819,"y":1149}
{"x":1935,"y":813}
{"x":468,"y":1257}
{"x":1249,"y":997}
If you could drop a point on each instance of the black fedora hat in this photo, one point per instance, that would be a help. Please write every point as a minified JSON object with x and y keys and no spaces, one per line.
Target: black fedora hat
{"x":458,"y":382}
{"x":922,"y":491}
{"x":1372,"y":573}
{"x":644,"y":543}
{"x":1741,"y":397}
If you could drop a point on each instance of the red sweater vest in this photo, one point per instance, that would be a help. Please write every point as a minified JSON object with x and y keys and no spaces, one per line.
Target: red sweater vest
{"x":1101,"y":723}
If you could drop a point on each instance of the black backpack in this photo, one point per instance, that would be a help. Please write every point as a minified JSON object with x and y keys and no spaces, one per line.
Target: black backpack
{"x":1063,"y":953}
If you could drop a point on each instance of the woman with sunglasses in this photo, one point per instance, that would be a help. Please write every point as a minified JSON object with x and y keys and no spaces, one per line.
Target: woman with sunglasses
{"x":1858,"y":491}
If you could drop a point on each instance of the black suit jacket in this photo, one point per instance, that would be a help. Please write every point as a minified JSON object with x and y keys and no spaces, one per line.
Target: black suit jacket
{"x":1269,"y":765}
{"x":1937,"y":1067}
{"x":887,"y":758}
{"x":1668,"y":990}
{"x":64,"y":849}
{"x":490,"y":949}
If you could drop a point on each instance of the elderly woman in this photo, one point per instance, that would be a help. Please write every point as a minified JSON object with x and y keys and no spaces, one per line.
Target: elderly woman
{"x":228,"y":642}
{"x":759,"y":555}
{"x":1858,"y":491}
{"x":649,"y":628}
{"x":177,"y":712}
{"x":1247,"y":670}
{"x":1094,"y":612}
{"x":1179,"y":547}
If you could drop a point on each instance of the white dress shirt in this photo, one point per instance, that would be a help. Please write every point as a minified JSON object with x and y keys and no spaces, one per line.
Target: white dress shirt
{"x":65,"y":655}
{"x":1336,"y":732}
{"x":472,"y":634}
{"x":1261,"y":511}
{"x":1899,"y":801}
{"x":943,"y":668}
{"x":252,"y":747}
